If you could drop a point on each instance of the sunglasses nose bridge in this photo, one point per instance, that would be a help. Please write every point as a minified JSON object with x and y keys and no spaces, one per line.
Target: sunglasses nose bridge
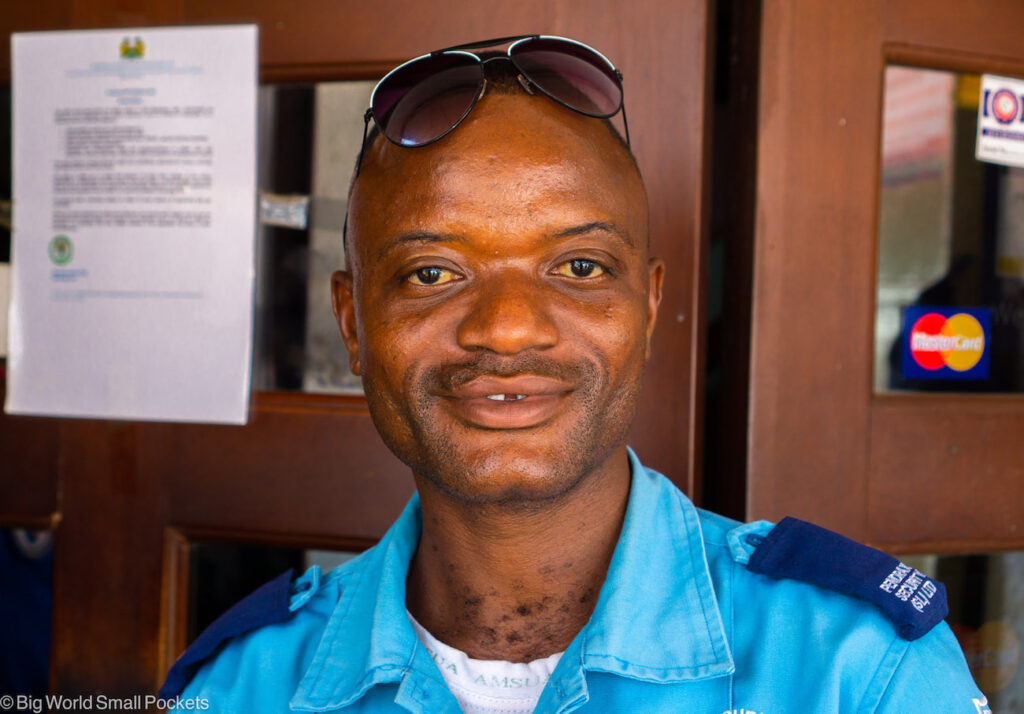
{"x":523,"y":80}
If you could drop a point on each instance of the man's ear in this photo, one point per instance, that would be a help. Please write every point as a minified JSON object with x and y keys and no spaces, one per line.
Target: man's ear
{"x":345,"y":313}
{"x":656,"y":268}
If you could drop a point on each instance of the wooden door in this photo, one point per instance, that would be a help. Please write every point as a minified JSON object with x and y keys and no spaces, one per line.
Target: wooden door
{"x":910,"y":472}
{"x":128,"y":499}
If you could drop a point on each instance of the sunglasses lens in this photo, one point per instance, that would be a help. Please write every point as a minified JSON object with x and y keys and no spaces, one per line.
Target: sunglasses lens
{"x":570,"y":73}
{"x":421,"y":101}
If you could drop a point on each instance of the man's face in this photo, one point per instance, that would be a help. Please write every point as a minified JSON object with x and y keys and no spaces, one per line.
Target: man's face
{"x":500,"y":300}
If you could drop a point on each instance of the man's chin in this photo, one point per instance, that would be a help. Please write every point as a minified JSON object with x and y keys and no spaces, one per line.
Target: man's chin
{"x":510,"y":476}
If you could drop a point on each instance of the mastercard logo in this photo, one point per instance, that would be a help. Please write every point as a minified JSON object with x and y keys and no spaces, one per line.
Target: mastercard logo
{"x":938,"y":341}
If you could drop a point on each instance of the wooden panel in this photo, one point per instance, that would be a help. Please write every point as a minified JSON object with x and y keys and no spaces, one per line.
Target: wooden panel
{"x":107,"y":560}
{"x":289,"y":472}
{"x":811,"y":333}
{"x":173,"y":599}
{"x":913,"y":472}
{"x":329,"y":33}
{"x":80,"y":14}
{"x":981,"y":27}
{"x":125,"y":13}
{"x":28,"y":489}
{"x":955,"y":492}
{"x":26,"y":17}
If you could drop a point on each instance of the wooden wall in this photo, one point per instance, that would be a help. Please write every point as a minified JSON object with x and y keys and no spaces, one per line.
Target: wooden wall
{"x":907,"y":472}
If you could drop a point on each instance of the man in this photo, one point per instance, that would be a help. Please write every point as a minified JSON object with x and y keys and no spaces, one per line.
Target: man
{"x":499,"y":304}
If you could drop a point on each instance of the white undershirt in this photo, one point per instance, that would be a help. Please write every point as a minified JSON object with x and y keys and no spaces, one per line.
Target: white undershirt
{"x":488,"y":686}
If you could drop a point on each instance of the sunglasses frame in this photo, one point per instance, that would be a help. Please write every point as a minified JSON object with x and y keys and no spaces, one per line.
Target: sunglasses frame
{"x":529,"y":84}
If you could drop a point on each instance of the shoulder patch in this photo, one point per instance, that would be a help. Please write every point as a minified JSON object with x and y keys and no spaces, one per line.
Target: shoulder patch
{"x":269,"y":603}
{"x":802,"y":551}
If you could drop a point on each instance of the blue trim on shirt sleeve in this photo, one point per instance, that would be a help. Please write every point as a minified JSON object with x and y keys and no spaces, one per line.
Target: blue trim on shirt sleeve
{"x":266,"y":605}
{"x":802,"y":551}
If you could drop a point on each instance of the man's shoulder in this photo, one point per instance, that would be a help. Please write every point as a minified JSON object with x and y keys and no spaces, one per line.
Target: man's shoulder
{"x":794,"y":590}
{"x":795,"y":564}
{"x":269,"y":637}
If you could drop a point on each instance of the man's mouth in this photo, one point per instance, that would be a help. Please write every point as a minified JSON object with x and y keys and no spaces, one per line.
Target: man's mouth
{"x":517,"y":402}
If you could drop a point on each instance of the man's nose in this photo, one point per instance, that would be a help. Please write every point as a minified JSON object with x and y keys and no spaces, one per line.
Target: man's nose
{"x":508,"y":315}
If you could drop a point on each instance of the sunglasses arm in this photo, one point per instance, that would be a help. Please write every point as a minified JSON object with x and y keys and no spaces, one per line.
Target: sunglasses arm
{"x":625,"y":124}
{"x":485,"y":43}
{"x":359,"y":165}
{"x":362,"y":145}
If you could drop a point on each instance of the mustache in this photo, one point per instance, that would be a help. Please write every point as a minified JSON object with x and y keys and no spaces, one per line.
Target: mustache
{"x":448,"y":377}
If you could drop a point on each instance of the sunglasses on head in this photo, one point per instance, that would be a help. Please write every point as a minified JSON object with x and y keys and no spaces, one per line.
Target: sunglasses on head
{"x":423,"y":99}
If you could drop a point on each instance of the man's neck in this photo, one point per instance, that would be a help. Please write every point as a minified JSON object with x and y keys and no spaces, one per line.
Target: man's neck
{"x":514,"y":584}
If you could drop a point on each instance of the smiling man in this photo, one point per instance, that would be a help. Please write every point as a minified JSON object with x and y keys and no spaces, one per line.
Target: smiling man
{"x":499,"y":303}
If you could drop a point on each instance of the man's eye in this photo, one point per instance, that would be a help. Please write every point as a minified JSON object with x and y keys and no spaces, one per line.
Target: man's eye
{"x":580,"y":268}
{"x":431,"y":275}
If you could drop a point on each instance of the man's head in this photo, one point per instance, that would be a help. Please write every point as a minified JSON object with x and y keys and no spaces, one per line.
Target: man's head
{"x":507,"y":259}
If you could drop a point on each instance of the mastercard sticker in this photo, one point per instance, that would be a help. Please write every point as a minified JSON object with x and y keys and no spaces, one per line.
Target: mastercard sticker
{"x":945,"y":342}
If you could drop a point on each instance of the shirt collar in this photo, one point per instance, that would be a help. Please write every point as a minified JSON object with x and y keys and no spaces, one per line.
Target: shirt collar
{"x":657,"y":617}
{"x":659,"y":563}
{"x":368,"y":639}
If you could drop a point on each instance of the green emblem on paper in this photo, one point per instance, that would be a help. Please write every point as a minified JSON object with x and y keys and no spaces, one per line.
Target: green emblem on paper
{"x":62,"y":250}
{"x":132,"y":50}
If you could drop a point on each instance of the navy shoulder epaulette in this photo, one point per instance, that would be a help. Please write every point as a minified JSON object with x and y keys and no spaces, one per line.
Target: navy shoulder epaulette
{"x":802,"y":551}
{"x":267,"y":604}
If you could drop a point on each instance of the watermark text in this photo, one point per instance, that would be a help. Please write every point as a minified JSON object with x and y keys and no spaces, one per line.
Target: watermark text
{"x":99,"y":703}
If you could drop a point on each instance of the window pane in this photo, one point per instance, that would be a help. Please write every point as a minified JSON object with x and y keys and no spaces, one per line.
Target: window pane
{"x":951,"y":230}
{"x":986,"y":612}
{"x":223,"y":573}
{"x":309,"y":140}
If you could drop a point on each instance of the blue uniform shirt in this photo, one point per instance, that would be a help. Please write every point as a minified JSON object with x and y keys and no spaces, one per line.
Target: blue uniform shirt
{"x":681,"y":625}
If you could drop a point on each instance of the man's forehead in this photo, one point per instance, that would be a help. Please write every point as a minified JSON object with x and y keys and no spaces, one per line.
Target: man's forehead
{"x":515,"y":156}
{"x":501,"y":126}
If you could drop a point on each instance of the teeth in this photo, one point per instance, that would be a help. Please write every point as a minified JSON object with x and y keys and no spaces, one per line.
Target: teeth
{"x":506,"y":397}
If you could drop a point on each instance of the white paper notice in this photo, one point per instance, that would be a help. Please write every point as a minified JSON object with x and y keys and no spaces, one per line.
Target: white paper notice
{"x":134,"y":223}
{"x":1000,"y":121}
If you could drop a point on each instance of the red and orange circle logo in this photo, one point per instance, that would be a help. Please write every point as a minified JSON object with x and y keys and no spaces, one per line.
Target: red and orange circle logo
{"x":937,"y":341}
